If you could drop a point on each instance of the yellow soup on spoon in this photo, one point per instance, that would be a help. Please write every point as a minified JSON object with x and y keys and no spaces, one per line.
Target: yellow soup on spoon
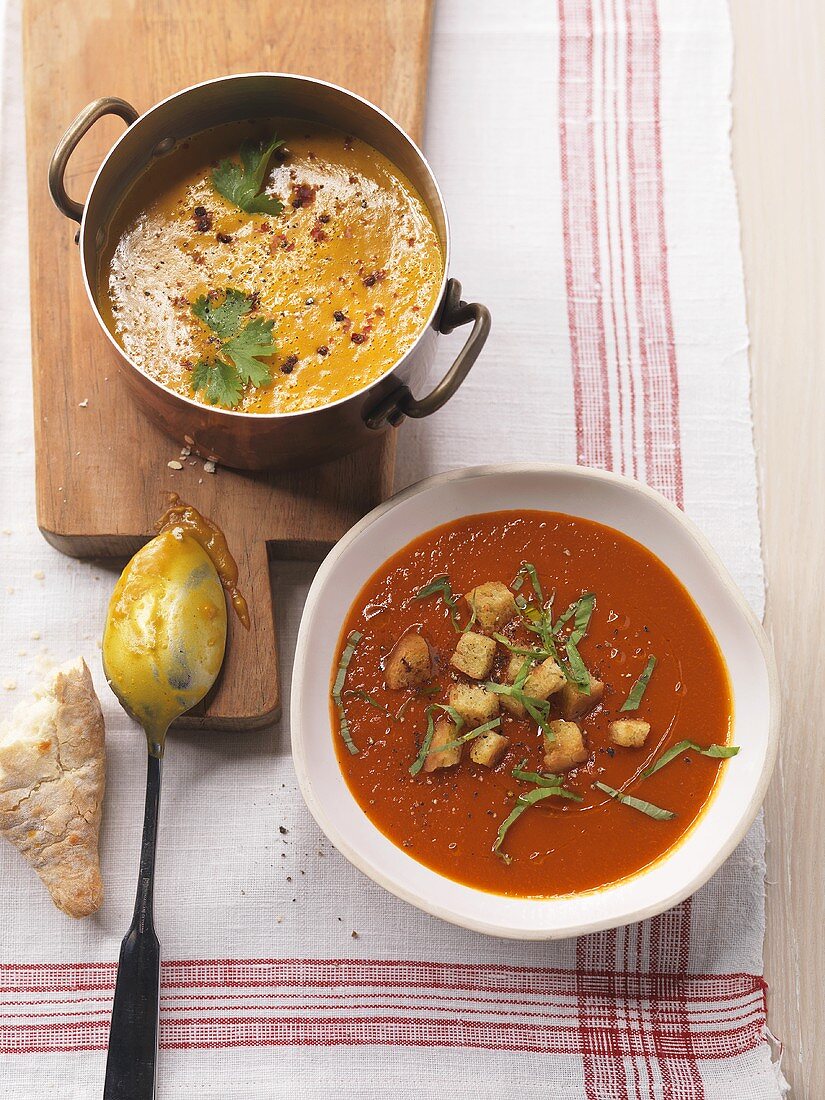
{"x":165,"y":632}
{"x":269,"y":267}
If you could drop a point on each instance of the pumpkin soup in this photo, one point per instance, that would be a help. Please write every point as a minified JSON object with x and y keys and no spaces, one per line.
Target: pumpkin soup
{"x":269,"y":267}
{"x":530,"y":703}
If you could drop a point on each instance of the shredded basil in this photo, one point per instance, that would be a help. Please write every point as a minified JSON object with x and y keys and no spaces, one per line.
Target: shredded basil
{"x":523,"y":802}
{"x":539,"y":715}
{"x":578,"y":673}
{"x":529,"y":570}
{"x":353,"y":638}
{"x":360,"y":693}
{"x":440,"y":585}
{"x":637,"y":691}
{"x":541,"y":779}
{"x":472,"y":621}
{"x":535,"y":654}
{"x":580,"y":612}
{"x":718,"y":752}
{"x":581,"y":621}
{"x":565,"y":617}
{"x":521,"y":675}
{"x":471,"y":736}
{"x":656,"y":812}
{"x":418,"y":763}
{"x":535,"y":617}
{"x":538,"y":709}
{"x":540,"y":622}
{"x":419,"y":693}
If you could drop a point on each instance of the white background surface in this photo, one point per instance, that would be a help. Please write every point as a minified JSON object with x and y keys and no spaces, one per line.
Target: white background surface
{"x":223,"y":867}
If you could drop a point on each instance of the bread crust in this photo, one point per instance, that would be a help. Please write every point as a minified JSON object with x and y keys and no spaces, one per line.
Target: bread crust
{"x":52,"y":780}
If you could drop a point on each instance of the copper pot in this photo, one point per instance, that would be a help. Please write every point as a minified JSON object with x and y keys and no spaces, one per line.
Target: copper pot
{"x":268,"y":440}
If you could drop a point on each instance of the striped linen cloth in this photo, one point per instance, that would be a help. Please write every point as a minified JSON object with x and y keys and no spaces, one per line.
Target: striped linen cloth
{"x":583,"y":147}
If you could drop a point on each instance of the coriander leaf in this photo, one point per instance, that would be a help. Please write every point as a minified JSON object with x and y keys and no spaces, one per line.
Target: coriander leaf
{"x":220,"y":381}
{"x":240,"y":183}
{"x":353,"y":638}
{"x":224,"y":319}
{"x":656,"y":812}
{"x":255,"y":157}
{"x":523,"y":802}
{"x":637,"y":691}
{"x":718,"y":752}
{"x":251,"y":344}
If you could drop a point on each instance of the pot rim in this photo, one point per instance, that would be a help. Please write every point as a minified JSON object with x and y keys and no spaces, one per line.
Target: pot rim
{"x":218,"y":409}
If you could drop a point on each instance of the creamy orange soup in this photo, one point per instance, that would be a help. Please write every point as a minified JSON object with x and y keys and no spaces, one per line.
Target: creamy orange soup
{"x":336,"y":285}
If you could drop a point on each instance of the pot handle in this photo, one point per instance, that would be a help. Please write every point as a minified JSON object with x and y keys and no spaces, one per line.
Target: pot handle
{"x":111,"y":105}
{"x":400,"y":403}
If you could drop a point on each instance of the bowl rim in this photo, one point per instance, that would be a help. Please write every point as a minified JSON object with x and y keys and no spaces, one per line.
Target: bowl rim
{"x":273,"y":416}
{"x":427,"y":904}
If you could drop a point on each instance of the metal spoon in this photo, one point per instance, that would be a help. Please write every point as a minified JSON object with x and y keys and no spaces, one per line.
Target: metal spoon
{"x":163,"y":647}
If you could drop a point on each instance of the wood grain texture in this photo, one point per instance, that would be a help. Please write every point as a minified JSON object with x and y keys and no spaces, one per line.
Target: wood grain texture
{"x":779,"y":159}
{"x":102,"y":472}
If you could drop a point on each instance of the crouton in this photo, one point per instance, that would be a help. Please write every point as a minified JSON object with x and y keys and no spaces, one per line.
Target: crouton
{"x":474,"y":655}
{"x":475,"y":704}
{"x":445,"y":731}
{"x":494,"y":605}
{"x":544,"y":680}
{"x":513,"y":706}
{"x":409,"y":663}
{"x":575,"y":703}
{"x":568,"y":750}
{"x":489,"y":748}
{"x":630,"y":733}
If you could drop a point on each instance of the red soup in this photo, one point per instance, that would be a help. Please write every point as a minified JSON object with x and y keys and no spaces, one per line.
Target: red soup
{"x":505,"y":683}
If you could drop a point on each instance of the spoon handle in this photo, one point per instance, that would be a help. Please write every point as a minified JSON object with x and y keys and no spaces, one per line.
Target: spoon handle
{"x":133,"y":1032}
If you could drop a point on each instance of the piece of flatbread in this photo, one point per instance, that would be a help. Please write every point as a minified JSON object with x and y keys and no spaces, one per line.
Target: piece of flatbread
{"x":52,"y":777}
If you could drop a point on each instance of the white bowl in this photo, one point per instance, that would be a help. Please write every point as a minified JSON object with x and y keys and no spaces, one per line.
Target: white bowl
{"x":617,"y":502}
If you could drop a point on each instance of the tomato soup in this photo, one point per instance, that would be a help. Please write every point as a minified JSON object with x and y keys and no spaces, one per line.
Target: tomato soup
{"x":269,"y":267}
{"x":585,"y":665}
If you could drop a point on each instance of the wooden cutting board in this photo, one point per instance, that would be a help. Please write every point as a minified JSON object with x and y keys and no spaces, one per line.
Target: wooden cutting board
{"x":101,"y":466}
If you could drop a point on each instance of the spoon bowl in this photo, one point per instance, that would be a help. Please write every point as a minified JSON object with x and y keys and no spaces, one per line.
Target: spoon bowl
{"x":165,"y":634}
